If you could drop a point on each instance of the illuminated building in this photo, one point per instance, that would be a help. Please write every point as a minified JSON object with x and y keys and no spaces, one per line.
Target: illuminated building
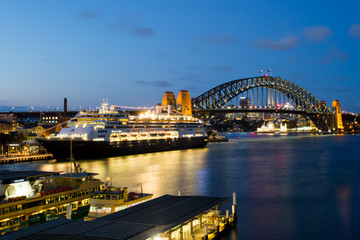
{"x":8,"y":123}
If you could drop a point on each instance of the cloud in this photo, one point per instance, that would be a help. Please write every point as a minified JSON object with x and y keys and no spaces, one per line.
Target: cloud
{"x":334,"y":55}
{"x":220,"y":39}
{"x":355,"y":30}
{"x":128,"y":25}
{"x":190,"y":77}
{"x":88,"y":14}
{"x":218,"y":68}
{"x":157,"y":83}
{"x":142,"y":32}
{"x":317,"y":34}
{"x":283,"y":43}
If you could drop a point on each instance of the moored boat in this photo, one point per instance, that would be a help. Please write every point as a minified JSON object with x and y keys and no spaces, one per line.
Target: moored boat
{"x":109,"y":133}
{"x":31,"y":197}
{"x":217,"y":138}
{"x":113,"y":199}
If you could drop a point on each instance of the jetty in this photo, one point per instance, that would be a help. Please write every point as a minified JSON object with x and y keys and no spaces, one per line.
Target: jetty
{"x":25,"y":158}
{"x":165,"y":218}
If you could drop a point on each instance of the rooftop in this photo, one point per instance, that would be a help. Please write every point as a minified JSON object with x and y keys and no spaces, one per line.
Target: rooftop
{"x":9,"y":175}
{"x":139,"y":222}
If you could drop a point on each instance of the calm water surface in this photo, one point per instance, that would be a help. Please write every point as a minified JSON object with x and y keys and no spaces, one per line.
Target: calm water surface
{"x":288,"y":187}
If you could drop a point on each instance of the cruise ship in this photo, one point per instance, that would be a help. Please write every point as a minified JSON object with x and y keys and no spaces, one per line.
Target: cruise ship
{"x":108,"y":133}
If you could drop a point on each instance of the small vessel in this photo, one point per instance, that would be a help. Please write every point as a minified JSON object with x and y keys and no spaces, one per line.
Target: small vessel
{"x":32,"y":197}
{"x":109,"y":133}
{"x":113,"y":199}
{"x":216,"y":137}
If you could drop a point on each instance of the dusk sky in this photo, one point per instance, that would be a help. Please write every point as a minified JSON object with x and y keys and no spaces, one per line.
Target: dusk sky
{"x":131,"y":52}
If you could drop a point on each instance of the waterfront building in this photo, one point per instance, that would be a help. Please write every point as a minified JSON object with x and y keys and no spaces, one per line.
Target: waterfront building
{"x":8,"y":123}
{"x":51,"y":118}
{"x":270,"y":128}
{"x":40,"y":130}
{"x":164,"y":218}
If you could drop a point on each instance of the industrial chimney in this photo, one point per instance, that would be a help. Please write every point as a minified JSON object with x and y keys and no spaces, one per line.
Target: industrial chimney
{"x":65,"y":107}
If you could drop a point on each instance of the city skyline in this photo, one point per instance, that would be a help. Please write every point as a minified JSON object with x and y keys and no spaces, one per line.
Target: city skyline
{"x":131,"y":52}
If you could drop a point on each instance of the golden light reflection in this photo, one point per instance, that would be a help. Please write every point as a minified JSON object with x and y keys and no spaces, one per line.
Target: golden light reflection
{"x":146,"y":171}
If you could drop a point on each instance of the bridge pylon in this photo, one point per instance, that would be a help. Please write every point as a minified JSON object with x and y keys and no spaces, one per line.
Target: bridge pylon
{"x":338,"y":123}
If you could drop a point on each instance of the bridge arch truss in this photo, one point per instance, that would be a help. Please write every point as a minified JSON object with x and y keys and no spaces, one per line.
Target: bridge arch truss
{"x":221,"y":95}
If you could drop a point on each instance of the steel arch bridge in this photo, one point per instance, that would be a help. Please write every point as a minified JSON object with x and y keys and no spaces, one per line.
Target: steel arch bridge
{"x":219,"y":96}
{"x":216,"y":99}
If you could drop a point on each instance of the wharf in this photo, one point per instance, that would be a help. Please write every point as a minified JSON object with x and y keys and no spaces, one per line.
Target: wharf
{"x":164,"y":218}
{"x":25,"y":158}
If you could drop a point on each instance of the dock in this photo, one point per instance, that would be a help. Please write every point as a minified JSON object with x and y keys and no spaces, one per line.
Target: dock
{"x":164,"y":218}
{"x":25,"y":158}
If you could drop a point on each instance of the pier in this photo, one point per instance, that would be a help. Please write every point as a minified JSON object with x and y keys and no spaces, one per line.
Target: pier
{"x":164,"y":218}
{"x":25,"y":158}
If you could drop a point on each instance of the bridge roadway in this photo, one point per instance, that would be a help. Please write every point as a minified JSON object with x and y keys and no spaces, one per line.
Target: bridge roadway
{"x":257,"y":110}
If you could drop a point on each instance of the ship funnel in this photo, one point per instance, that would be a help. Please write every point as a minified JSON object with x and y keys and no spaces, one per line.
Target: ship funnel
{"x":170,"y":109}
{"x":158,"y":109}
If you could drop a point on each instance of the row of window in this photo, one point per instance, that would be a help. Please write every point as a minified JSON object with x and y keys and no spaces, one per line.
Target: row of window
{"x":49,"y":121}
{"x":108,"y":196}
{"x":18,"y":207}
{"x":69,"y":196}
{"x":49,"y":118}
{"x":52,"y":211}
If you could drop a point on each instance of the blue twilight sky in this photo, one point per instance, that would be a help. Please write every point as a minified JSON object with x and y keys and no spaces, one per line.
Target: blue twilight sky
{"x":132,"y":51}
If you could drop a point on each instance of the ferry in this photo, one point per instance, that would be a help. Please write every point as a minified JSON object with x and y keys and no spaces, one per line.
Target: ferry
{"x":32,"y":197}
{"x":108,"y":133}
{"x":113,"y":199}
{"x":216,"y":137}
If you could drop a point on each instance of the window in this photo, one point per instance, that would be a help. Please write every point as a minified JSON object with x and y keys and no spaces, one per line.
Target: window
{"x":6,"y":210}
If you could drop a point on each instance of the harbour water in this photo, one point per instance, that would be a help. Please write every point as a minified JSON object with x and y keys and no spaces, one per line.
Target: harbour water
{"x":288,"y":187}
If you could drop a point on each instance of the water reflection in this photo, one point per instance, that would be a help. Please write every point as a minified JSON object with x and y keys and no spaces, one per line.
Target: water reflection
{"x":288,"y":187}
